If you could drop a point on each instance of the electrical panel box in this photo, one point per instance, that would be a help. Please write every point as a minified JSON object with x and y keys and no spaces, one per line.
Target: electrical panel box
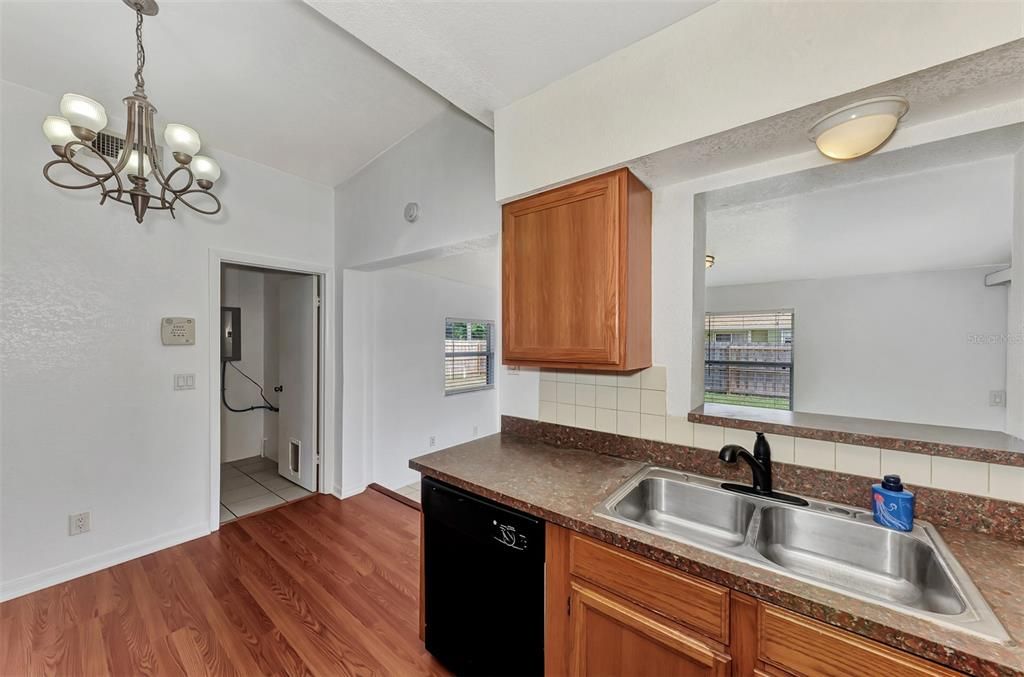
{"x":230,"y":334}
{"x":178,"y":331}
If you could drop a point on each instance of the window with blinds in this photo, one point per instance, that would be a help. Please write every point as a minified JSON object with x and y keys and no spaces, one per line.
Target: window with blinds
{"x":468,"y":355}
{"x":748,"y":359}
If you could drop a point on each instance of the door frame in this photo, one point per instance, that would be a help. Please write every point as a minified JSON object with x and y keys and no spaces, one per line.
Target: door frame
{"x":325,"y":398}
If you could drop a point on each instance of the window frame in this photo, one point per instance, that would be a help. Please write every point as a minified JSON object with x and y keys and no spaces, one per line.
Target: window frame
{"x":489,"y":354}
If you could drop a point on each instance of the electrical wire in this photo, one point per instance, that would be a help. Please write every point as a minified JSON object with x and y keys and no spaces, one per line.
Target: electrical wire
{"x":224,"y":387}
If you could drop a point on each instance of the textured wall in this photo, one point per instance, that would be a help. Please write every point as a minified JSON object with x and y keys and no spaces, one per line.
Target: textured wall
{"x":90,"y":419}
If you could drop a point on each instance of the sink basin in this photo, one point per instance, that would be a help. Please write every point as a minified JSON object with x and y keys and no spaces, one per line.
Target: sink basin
{"x":888,"y":565}
{"x":837,"y":547}
{"x":690,"y":511}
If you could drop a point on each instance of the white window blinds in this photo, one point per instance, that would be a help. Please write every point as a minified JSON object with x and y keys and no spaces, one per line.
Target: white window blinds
{"x":468,"y":355}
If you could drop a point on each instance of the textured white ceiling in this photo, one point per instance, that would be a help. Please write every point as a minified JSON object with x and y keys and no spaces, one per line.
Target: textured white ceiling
{"x":270,"y":80}
{"x":957,"y":150}
{"x":484,"y":55}
{"x":940,"y":217}
{"x":975,"y":82}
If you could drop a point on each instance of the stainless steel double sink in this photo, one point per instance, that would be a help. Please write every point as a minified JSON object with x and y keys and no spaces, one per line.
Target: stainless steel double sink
{"x":836,"y":546}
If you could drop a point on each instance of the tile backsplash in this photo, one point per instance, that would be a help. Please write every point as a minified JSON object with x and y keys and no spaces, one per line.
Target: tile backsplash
{"x":635,"y":405}
{"x":625,"y":404}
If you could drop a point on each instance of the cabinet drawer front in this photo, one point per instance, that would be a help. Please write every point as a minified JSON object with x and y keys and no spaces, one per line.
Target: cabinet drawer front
{"x":612,"y":636}
{"x":806,"y":647}
{"x":561,"y":274}
{"x":699,"y":605}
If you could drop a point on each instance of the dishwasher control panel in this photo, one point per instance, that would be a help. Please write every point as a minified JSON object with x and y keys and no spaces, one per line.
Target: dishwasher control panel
{"x":509,"y":536}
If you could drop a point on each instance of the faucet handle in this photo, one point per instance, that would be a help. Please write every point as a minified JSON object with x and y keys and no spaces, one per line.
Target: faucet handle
{"x":762,"y":450}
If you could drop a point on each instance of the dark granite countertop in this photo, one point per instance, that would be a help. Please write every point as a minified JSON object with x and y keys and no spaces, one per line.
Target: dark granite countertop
{"x":964,"y":443}
{"x":563,"y":486}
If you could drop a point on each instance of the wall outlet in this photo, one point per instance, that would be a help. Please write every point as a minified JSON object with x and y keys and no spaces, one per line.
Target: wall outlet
{"x":433,"y":440}
{"x":997,"y":398}
{"x":78,"y":524}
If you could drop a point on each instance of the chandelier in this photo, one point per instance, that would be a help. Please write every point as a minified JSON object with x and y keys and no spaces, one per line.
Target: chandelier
{"x":71,"y":137}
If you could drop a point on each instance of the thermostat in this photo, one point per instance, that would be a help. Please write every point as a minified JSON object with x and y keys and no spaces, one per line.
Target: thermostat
{"x":178,"y":331}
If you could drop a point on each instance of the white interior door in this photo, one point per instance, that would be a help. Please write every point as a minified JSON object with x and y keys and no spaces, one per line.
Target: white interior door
{"x":297,"y":350}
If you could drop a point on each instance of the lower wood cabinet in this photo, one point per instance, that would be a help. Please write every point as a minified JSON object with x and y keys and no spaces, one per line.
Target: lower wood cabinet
{"x":611,"y":612}
{"x":611,"y":636}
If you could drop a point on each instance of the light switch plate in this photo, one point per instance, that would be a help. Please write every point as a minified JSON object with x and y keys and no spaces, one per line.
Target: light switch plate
{"x":997,"y":398}
{"x":178,"y":331}
{"x":184,"y":381}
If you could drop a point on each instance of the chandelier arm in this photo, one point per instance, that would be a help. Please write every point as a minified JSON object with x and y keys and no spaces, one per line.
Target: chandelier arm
{"x":158,"y":170}
{"x":167,"y":187}
{"x":98,"y":179}
{"x":126,"y":150}
{"x":180,"y":197}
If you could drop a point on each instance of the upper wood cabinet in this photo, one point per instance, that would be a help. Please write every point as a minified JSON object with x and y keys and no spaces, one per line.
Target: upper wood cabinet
{"x":576,"y":276}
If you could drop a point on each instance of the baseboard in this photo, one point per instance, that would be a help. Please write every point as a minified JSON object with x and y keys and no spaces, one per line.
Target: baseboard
{"x":395,"y":496}
{"x":87,"y":565}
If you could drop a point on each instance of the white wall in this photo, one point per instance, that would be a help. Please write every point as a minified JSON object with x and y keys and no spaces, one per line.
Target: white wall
{"x":242,"y":434}
{"x":667,"y":89}
{"x":90,"y":419}
{"x":1015,"y":322}
{"x":447,"y":167}
{"x":408,"y":401}
{"x":895,"y":347}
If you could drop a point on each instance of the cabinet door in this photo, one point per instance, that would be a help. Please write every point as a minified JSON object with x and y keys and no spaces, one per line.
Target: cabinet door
{"x":613,"y":637}
{"x":561,"y":268}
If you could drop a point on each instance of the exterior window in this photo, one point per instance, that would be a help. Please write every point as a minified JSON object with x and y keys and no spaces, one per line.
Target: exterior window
{"x":748,"y":359}
{"x":468,"y":355}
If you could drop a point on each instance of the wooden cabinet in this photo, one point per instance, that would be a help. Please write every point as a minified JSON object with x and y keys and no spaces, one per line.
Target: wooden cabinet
{"x":576,"y":276}
{"x":802,"y":646}
{"x":611,"y":636}
{"x":611,"y":612}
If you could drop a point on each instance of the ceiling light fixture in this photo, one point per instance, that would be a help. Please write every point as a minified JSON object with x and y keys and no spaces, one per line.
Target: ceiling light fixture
{"x":859,"y":128}
{"x":709,"y":260}
{"x":83,"y":119}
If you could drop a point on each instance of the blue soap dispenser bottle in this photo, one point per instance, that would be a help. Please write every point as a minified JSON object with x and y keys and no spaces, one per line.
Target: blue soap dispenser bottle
{"x":893,"y":506}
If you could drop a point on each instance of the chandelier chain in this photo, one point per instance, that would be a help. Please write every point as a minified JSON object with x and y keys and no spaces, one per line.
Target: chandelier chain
{"x":140,"y":82}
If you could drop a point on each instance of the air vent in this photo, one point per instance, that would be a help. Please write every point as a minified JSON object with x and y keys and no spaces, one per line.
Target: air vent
{"x":109,"y":144}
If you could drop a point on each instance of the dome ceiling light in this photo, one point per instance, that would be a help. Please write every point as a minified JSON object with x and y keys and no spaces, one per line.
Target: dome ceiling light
{"x":83,"y":119}
{"x":858,"y":129}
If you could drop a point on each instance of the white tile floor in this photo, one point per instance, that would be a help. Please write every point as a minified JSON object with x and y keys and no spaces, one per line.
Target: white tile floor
{"x":253,"y":484}
{"x":410,"y":491}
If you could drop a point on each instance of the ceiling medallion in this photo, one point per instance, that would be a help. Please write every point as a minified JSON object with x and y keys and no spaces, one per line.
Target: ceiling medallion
{"x":70,"y":137}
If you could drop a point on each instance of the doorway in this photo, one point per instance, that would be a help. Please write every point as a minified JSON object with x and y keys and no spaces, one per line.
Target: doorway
{"x":269,"y":388}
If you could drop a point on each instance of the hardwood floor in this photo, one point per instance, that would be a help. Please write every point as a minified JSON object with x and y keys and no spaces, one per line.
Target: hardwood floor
{"x":321,"y":586}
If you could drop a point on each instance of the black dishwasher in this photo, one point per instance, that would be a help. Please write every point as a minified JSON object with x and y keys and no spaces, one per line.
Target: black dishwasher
{"x":484,"y":584}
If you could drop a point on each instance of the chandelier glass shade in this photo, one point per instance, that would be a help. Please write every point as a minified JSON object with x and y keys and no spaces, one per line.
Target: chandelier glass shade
{"x":127,"y":179}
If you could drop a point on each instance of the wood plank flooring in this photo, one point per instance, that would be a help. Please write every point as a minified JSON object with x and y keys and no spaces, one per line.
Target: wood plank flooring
{"x":321,"y":587}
